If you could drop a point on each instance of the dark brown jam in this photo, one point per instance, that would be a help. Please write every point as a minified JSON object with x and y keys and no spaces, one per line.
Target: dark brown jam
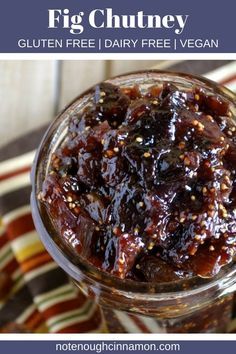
{"x":144,"y":185}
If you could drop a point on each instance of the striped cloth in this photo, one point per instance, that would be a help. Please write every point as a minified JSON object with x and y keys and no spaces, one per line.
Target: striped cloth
{"x":36,"y":296}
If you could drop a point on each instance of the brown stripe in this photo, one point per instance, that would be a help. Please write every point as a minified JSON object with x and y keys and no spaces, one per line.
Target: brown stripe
{"x":86,"y":326}
{"x":15,"y":306}
{"x":14,"y":200}
{"x":47,"y":281}
{"x":3,"y":239}
{"x":20,"y":226}
{"x":11,"y":267}
{"x":139,"y":323}
{"x":22,"y":145}
{"x":63,"y":307}
{"x":15,"y":173}
{"x":112,"y":322}
{"x":228,"y":80}
{"x":234,"y":305}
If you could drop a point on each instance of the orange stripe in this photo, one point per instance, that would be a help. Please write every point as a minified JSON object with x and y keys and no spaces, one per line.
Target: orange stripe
{"x":15,"y":173}
{"x":35,"y":261}
{"x":20,"y":226}
{"x":34,"y":320}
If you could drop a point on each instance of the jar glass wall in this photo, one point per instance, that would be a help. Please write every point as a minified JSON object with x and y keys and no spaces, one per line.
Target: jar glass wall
{"x":190,"y":305}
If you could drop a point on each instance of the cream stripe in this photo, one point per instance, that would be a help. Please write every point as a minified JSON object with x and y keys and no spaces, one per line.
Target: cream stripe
{"x":127,"y":322}
{"x":16,"y":213}
{"x":4,"y":249}
{"x":232,"y":325}
{"x":232,"y":85}
{"x":55,"y":292}
{"x":26,"y":314}
{"x":62,"y":325}
{"x":18,"y":285}
{"x":7,"y":260}
{"x":57,"y":300}
{"x":11,"y":165}
{"x":2,"y":228}
{"x":36,"y":272}
{"x":152,"y":325}
{"x":69,"y":322}
{"x":17,"y":274}
{"x":166,"y":64}
{"x":28,"y":239}
{"x":14,"y":183}
{"x":223,"y":72}
{"x":53,"y":320}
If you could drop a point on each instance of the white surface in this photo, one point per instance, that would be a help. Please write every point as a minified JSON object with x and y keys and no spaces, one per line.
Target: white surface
{"x":33,"y":91}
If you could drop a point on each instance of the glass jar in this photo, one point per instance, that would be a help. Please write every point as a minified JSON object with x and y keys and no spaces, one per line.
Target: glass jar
{"x":190,"y":305}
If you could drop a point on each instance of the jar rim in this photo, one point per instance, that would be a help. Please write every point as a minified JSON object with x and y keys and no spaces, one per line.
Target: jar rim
{"x":80,"y":268}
